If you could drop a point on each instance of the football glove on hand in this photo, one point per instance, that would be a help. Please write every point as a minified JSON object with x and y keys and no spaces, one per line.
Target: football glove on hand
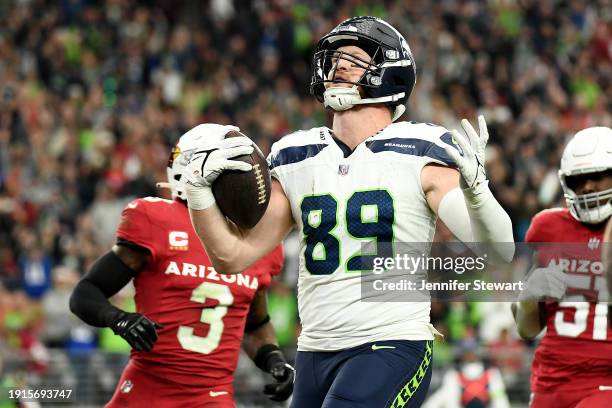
{"x":207,"y":164}
{"x":284,"y":377}
{"x":471,"y":163}
{"x":548,"y":282}
{"x":137,"y":330}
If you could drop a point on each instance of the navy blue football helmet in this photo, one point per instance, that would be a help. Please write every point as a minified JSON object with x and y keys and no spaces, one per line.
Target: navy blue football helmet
{"x":389,"y":76}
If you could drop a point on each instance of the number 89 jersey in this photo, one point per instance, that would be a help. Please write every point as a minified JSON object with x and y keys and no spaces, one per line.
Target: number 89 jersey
{"x":341,"y":200}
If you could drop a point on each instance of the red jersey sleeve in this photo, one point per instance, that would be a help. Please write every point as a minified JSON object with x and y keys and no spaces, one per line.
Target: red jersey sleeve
{"x":540,"y":228}
{"x":135,"y":226}
{"x":270,"y":265}
{"x":546,"y":234}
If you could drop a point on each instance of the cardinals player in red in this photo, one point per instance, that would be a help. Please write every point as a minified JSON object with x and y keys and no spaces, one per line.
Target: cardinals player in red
{"x":190,"y":321}
{"x":567,"y":295}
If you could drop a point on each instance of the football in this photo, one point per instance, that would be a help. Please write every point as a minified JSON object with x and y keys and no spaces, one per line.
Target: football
{"x":243,"y":196}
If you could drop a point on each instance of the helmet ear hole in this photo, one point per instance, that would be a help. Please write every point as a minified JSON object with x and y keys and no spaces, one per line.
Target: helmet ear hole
{"x":177,"y":177}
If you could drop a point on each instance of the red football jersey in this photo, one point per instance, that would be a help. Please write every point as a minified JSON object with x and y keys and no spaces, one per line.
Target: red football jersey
{"x":203,"y":312}
{"x":576,"y":350}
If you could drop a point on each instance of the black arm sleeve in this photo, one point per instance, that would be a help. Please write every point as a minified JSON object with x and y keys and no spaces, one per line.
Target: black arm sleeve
{"x":89,"y":300}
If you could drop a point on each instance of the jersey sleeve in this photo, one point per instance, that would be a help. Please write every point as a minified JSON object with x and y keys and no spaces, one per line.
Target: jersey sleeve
{"x":135,"y":226}
{"x":539,"y":235}
{"x":294,"y":150}
{"x":282,"y":153}
{"x":436,"y":153}
{"x":536,"y":230}
{"x":270,"y":265}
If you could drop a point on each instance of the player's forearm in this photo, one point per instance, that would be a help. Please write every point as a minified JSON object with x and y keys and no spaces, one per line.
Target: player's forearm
{"x":232,"y":250}
{"x":254,"y":340}
{"x":490,"y":222}
{"x":474,"y":215}
{"x":223,"y":244}
{"x":89,"y":299}
{"x":90,"y":305}
{"x":527,"y":318}
{"x":453,"y":212}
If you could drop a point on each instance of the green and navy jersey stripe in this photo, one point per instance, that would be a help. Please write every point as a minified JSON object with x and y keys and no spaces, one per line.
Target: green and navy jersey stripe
{"x":294,"y":154}
{"x":414,"y":146}
{"x":409,"y":146}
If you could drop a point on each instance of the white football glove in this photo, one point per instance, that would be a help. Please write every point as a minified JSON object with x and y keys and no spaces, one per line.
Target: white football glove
{"x":207,"y":164}
{"x":471,"y":163}
{"x":542,"y":283}
{"x":206,"y":135}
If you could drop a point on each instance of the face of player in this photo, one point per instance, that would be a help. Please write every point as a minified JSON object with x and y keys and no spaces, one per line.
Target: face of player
{"x":349,"y":67}
{"x":590,"y":183}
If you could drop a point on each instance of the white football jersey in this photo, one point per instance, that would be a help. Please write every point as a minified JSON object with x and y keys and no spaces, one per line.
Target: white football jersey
{"x":338,"y":203}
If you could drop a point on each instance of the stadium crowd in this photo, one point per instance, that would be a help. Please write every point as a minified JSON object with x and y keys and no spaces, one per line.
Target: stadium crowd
{"x":93,"y":94}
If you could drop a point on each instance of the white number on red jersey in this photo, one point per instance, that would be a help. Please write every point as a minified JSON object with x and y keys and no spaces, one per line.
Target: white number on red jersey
{"x":581,"y":311}
{"x":211,"y":316}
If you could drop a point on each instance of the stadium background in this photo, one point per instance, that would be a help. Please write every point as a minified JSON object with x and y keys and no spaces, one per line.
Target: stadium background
{"x":94,"y":93}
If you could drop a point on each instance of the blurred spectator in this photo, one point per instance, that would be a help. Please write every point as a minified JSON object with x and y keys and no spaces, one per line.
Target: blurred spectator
{"x":472,"y":384}
{"x":508,"y":353}
{"x":20,"y":319}
{"x":36,"y":273}
{"x":59,"y":324}
{"x":105,"y":213}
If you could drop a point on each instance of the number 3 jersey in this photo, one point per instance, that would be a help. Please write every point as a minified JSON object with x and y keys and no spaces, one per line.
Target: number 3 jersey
{"x":203,"y":312}
{"x":341,"y":200}
{"x":576,"y":350}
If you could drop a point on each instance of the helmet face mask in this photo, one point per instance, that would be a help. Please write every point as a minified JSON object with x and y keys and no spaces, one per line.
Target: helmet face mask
{"x":591,"y":208}
{"x":388,"y":77}
{"x":327,"y":62}
{"x":588,"y":155}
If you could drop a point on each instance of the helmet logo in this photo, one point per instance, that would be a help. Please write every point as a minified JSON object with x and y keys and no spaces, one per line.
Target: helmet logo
{"x":345,"y":28}
{"x":392,"y":54}
{"x":186,"y":157}
{"x":176,"y":152}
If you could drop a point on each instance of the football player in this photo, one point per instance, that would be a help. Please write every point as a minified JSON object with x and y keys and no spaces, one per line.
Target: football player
{"x":572,"y":366}
{"x":190,"y":320}
{"x":368,"y":179}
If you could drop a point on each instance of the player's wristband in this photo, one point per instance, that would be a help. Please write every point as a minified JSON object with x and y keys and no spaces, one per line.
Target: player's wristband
{"x":199,"y":198}
{"x":251,"y":327}
{"x":268,"y":356}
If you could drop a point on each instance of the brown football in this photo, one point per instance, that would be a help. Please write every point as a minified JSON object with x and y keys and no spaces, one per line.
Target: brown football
{"x":243,"y":196}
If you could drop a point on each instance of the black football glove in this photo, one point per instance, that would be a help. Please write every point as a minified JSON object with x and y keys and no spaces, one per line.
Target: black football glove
{"x":282,"y":387}
{"x":137,"y":330}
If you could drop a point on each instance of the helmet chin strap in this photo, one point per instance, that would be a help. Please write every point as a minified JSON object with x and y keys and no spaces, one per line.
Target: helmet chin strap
{"x":341,"y":99}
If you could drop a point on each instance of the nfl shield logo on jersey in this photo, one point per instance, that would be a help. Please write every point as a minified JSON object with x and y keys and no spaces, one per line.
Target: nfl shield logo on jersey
{"x":127,"y":386}
{"x":343,"y":169}
{"x":593,"y":243}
